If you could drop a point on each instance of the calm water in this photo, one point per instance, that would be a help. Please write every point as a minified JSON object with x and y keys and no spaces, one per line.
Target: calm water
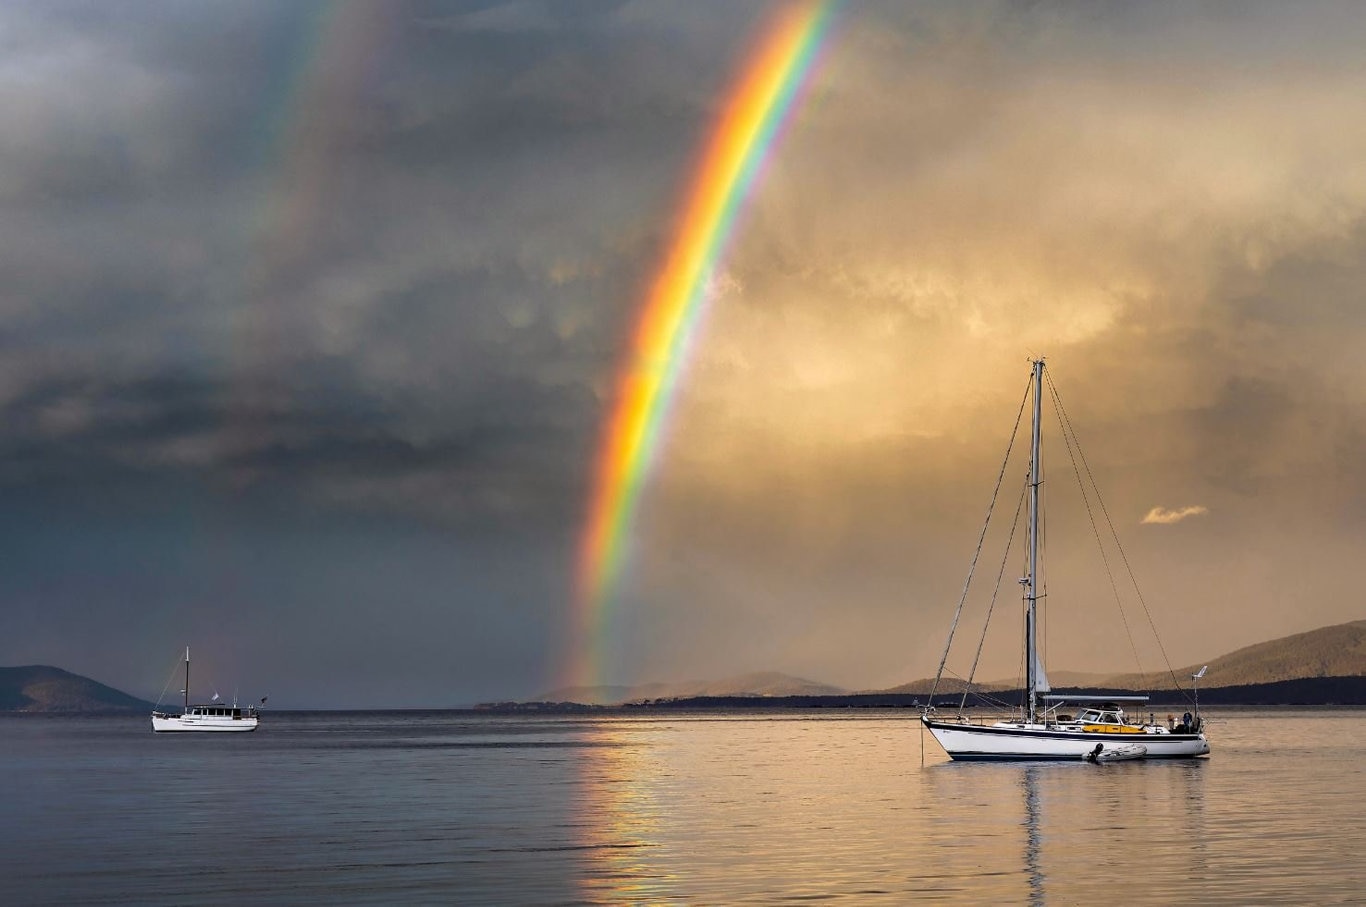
{"x":452,"y":808}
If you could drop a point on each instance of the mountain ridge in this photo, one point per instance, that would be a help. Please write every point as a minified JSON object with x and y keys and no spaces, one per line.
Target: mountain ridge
{"x":1326,"y":653}
{"x":1338,"y":650}
{"x":757,"y":683}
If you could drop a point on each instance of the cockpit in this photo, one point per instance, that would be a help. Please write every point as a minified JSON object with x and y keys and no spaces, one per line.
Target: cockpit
{"x":1105,"y":714}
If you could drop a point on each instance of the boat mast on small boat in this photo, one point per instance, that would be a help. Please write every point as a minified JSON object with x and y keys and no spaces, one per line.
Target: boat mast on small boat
{"x":1041,"y":733}
{"x":208,"y":717}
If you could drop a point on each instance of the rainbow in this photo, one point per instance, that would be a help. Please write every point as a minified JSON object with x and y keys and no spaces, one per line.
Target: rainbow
{"x":743,"y":139}
{"x":320,"y":68}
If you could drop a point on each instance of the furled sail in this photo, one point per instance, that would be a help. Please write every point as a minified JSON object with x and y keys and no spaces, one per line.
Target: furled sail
{"x":1040,"y":678}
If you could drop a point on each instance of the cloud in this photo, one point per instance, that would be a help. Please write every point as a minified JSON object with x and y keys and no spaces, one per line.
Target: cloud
{"x":253,"y":271}
{"x":1164,"y":517}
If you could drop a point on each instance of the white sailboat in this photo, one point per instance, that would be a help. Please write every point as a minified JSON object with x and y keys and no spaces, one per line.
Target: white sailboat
{"x":1101,"y":731}
{"x":207,"y":717}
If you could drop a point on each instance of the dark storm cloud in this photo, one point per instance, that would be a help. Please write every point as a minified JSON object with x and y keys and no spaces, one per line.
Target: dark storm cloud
{"x":307,"y":319}
{"x":440,"y":307}
{"x":311,"y":311}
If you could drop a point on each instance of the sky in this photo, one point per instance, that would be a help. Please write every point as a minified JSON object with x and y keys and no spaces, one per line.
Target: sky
{"x":311,"y":315}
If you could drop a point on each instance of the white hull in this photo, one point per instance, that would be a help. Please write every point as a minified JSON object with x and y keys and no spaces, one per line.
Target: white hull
{"x":1020,"y":742}
{"x":211,"y":723}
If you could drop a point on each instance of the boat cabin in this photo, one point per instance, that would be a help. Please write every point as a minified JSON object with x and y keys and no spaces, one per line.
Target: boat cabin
{"x":1105,"y":713}
{"x":215,"y":711}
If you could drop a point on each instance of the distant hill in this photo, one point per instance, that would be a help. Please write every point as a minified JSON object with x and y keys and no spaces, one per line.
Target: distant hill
{"x":1328,"y":652}
{"x":946,"y":685}
{"x":1336,"y":651}
{"x":760,"y":684}
{"x":40,"y":688}
{"x":954,"y":685}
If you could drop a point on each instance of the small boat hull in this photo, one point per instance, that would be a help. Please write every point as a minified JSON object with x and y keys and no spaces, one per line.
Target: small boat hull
{"x":974,"y":742}
{"x":1122,"y":752}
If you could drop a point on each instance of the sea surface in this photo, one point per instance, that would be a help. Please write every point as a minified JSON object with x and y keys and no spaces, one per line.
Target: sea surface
{"x":714,"y":808}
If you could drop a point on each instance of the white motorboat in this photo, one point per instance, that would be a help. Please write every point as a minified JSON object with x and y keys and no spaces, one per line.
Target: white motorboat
{"x":1040,"y":731}
{"x":207,"y":717}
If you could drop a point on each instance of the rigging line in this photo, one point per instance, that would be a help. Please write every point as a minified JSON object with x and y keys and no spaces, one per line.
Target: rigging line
{"x":984,"y":696}
{"x":980,"y":539}
{"x":1120,"y":548}
{"x":980,"y":694}
{"x":1072,"y":453}
{"x":1000,"y":704}
{"x":169,"y":677}
{"x":1000,"y":575}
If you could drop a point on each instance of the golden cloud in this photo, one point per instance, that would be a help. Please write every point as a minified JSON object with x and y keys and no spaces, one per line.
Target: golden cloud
{"x":1164,"y":517}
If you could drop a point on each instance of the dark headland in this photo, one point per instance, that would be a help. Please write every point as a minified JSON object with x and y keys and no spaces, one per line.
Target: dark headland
{"x":41,"y":688}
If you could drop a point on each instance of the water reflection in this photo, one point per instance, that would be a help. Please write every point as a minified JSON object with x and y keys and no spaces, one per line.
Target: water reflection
{"x":723,"y":810}
{"x":1078,"y":830}
{"x":1033,"y":865}
{"x":1110,"y":822}
{"x":719,"y":809}
{"x":702,"y":809}
{"x":617,"y":815}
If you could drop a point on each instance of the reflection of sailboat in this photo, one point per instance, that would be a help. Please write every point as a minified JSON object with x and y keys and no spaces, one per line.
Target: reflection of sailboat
{"x":208,"y":717}
{"x":1041,"y":732}
{"x":1033,"y":837}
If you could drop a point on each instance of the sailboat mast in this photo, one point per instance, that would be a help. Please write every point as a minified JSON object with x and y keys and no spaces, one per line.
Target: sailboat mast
{"x":187,"y":680}
{"x":1032,"y":587}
